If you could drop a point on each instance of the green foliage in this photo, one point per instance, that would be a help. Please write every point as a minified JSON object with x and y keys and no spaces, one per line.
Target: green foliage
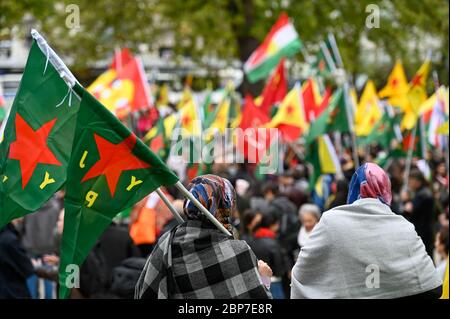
{"x":231,"y":29}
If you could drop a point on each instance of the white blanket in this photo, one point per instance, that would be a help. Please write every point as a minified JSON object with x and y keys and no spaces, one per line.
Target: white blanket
{"x":363,"y":250}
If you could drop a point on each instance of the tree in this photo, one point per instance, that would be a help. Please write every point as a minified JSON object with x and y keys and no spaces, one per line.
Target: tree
{"x":232,"y":29}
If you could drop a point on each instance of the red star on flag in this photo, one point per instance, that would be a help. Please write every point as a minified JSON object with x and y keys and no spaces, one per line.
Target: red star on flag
{"x":417,"y":80}
{"x":114,"y":159}
{"x":30,"y":147}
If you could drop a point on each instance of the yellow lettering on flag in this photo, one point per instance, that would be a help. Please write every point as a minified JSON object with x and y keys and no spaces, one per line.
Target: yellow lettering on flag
{"x":5,"y":178}
{"x":91,"y":196}
{"x":47,"y":180}
{"x":134,"y":182}
{"x":83,"y":158}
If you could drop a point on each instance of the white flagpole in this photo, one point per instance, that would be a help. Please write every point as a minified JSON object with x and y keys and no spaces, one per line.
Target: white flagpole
{"x":202,"y":208}
{"x":54,"y":59}
{"x":170,"y":206}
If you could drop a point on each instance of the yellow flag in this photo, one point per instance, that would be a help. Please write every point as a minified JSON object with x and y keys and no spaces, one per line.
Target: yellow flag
{"x":115,"y":94}
{"x":189,"y":119}
{"x":220,"y":123}
{"x":169,"y":123}
{"x":443,"y":129}
{"x":417,"y":95}
{"x":396,"y":87}
{"x":368,"y":111}
{"x":163,"y":99}
{"x":445,"y":284}
{"x":291,"y":111}
{"x":186,"y":97}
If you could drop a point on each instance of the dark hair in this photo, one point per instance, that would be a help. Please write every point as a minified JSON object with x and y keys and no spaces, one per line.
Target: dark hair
{"x":443,"y":237}
{"x":270,"y":187}
{"x":247,"y":218}
{"x":418,"y":175}
{"x":268,"y":219}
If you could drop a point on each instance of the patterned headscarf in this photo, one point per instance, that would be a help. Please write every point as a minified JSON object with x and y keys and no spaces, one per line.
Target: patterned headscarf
{"x":216,"y":194}
{"x":370,"y":181}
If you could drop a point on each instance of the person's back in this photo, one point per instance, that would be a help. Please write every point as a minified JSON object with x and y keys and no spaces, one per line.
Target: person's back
{"x":364,"y":250}
{"x":15,"y":266}
{"x":116,"y":246}
{"x":196,"y":260}
{"x":38,"y":228}
{"x":360,"y":244}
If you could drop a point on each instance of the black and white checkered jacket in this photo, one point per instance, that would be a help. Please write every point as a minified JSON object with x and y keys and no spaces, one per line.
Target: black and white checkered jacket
{"x":203,"y":263}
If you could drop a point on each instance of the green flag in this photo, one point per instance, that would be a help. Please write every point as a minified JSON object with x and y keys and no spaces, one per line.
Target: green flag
{"x":109,"y":171}
{"x":38,"y":137}
{"x":334,"y":118}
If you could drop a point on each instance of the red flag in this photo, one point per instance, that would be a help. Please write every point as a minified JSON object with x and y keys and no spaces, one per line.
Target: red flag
{"x":313,"y":103}
{"x":275,"y":89}
{"x":121,"y":58}
{"x":251,"y":143}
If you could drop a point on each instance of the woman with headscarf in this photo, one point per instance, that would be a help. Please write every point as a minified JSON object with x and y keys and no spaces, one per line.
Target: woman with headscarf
{"x":364,"y":250}
{"x":197,"y":261}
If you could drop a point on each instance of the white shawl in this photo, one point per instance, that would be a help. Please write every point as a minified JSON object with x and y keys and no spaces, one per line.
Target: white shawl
{"x":351,"y":244}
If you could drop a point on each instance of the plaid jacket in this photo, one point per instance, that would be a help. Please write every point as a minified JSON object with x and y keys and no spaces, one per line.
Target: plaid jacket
{"x":205,"y":264}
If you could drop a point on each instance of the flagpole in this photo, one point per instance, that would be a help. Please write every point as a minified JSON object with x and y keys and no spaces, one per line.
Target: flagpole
{"x":348,"y":101}
{"x":170,"y":206}
{"x":409,"y":159}
{"x":202,"y":208}
{"x":54,"y":59}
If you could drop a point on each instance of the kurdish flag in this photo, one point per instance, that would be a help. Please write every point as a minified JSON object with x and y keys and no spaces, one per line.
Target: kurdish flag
{"x":37,"y":144}
{"x":109,"y":170}
{"x":282,"y":41}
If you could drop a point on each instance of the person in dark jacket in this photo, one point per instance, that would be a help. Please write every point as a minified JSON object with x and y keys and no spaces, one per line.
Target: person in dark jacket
{"x":266,"y":248}
{"x":287,"y":215}
{"x":15,"y":265}
{"x":419,"y":210}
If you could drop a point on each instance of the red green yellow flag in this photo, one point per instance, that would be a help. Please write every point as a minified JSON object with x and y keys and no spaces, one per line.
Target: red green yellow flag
{"x":109,"y":171}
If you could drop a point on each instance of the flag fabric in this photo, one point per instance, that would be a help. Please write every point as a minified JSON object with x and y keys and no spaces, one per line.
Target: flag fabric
{"x":445,"y":288}
{"x":109,"y":171}
{"x":320,"y":65}
{"x":248,"y":141}
{"x":368,"y":111}
{"x":314,"y":104}
{"x":290,"y":118}
{"x":162,"y":98}
{"x":382,"y":132}
{"x":275,"y":89}
{"x":443,"y":129}
{"x":189,"y":118}
{"x":282,"y":41}
{"x":218,"y":120}
{"x":123,"y":87}
{"x":2,"y":105}
{"x":438,"y":117}
{"x":396,"y":87}
{"x":156,"y":138}
{"x":417,"y":95}
{"x":323,"y":157}
{"x":334,"y":118}
{"x":38,"y":136}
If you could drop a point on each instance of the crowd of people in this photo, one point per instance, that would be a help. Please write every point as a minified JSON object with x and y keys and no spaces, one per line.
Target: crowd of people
{"x":277,"y":252}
